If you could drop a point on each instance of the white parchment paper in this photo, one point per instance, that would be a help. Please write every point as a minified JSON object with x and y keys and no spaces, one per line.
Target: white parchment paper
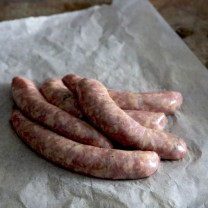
{"x":127,"y":46}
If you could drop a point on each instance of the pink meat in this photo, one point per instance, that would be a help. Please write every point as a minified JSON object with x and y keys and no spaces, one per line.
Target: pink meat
{"x":148,"y":119}
{"x":32,"y":103}
{"x":103,"y":112}
{"x":89,"y":160}
{"x":58,"y":94}
{"x":166,"y":101}
{"x":71,"y":81}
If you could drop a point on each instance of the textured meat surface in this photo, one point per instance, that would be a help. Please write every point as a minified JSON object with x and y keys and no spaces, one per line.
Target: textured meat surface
{"x":71,"y":81}
{"x":148,"y":119}
{"x":103,"y":112}
{"x":166,"y":101}
{"x":32,"y":103}
{"x":57,"y":94}
{"x":94,"y":161}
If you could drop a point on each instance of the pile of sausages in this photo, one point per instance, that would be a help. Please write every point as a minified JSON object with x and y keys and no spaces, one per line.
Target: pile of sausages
{"x":79,"y":124}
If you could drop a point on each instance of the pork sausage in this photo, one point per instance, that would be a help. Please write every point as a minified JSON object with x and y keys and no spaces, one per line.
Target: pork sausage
{"x":32,"y":103}
{"x":166,"y":101}
{"x":58,"y":94}
{"x":86,"y":159}
{"x":103,"y":112}
{"x":148,"y":119}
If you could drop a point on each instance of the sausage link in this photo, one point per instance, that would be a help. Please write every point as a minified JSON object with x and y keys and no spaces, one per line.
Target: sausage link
{"x":166,"y":101}
{"x":32,"y":103}
{"x":58,"y":94}
{"x":89,"y":160}
{"x":148,"y":119}
{"x":103,"y":112}
{"x":71,"y":81}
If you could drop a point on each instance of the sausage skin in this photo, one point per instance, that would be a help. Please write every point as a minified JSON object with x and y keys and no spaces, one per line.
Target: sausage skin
{"x":32,"y":103}
{"x":56,"y":93}
{"x":103,"y":112}
{"x":86,"y":159}
{"x":167,"y":101}
{"x":149,"y":119}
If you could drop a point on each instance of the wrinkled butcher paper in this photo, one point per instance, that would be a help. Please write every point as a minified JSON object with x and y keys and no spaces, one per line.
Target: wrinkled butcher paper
{"x":127,"y":46}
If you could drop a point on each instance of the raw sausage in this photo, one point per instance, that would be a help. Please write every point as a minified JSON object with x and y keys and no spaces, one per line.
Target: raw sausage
{"x":149,"y":119}
{"x":71,"y":81}
{"x":32,"y":103}
{"x":89,"y":160}
{"x":103,"y":112}
{"x":58,"y":94}
{"x":166,"y":101}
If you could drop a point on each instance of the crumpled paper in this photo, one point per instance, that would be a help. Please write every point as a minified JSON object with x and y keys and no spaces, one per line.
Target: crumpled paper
{"x":127,"y":46}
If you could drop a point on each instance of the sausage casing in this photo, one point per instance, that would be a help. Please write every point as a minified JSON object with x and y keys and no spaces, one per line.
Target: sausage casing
{"x":167,"y":101}
{"x":59,"y":95}
{"x":86,"y":159}
{"x":103,"y":112}
{"x":32,"y":103}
